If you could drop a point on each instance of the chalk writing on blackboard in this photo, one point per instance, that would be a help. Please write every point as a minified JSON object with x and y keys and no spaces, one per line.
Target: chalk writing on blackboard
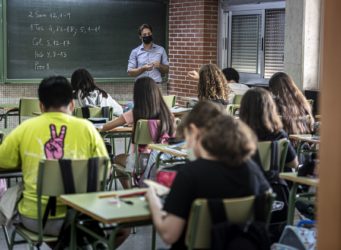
{"x":49,"y":23}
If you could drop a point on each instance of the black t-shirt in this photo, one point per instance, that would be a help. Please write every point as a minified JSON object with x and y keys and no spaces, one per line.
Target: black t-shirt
{"x":211,"y":179}
{"x":291,"y":154}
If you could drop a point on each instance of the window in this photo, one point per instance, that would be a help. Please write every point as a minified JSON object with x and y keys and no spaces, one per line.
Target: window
{"x":254,"y":42}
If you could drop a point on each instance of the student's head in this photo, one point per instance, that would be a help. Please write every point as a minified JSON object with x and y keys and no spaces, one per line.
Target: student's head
{"x":210,"y":133}
{"x":149,"y":104}
{"x":83,"y":83}
{"x":55,"y":93}
{"x":212,"y":84}
{"x":258,"y":110}
{"x":291,"y":103}
{"x":146,"y":33}
{"x":231,"y":75}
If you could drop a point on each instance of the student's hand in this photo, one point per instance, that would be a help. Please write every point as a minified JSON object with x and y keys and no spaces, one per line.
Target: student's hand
{"x":156,"y":65}
{"x":193,"y":75}
{"x":147,"y":67}
{"x":152,"y":198}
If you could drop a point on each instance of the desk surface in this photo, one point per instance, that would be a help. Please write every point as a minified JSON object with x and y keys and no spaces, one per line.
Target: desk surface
{"x":110,"y":210}
{"x":8,"y":106}
{"x":306,"y":138}
{"x":298,"y":179}
{"x":180,"y":111}
{"x":169,"y":149}
{"x":120,"y":129}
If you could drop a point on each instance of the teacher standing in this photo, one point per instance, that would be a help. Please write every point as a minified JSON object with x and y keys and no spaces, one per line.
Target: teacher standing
{"x":148,"y":59}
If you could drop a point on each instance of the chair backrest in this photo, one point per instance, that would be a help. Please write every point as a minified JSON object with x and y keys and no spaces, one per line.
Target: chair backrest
{"x":237,"y":99}
{"x":50,"y":180}
{"x":264,"y":151}
{"x":198,"y":235}
{"x":142,"y":133}
{"x":169,"y":100}
{"x":27,"y":107}
{"x":238,"y":211}
{"x":93,"y":112}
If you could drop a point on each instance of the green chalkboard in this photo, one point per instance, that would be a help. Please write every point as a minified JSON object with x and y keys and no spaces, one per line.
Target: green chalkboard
{"x":48,"y":37}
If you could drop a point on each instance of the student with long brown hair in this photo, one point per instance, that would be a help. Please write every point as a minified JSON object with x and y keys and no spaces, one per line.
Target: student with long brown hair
{"x":148,"y":104}
{"x":292,"y":106}
{"x":258,"y":110}
{"x":220,"y":148}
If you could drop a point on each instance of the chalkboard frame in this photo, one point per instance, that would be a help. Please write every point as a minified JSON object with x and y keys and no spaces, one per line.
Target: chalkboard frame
{"x":3,"y":51}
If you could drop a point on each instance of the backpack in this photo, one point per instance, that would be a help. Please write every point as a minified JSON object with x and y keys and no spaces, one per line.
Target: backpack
{"x":279,"y":210}
{"x":228,"y":236}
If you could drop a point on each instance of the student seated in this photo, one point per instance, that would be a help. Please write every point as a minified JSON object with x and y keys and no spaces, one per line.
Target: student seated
{"x":212,"y":84}
{"x":148,"y":104}
{"x":220,"y":149}
{"x":258,"y":110}
{"x":87,"y":94}
{"x":292,"y":105}
{"x":55,"y":134}
{"x":232,"y":77}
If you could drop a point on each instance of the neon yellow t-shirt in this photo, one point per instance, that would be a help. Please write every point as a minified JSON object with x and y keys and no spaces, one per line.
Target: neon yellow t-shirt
{"x":52,"y":135}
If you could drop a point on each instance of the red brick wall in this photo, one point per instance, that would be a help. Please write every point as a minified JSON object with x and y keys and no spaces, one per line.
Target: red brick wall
{"x":193,"y":29}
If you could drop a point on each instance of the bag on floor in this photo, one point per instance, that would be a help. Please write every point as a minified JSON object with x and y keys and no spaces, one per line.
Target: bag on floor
{"x":297,"y":238}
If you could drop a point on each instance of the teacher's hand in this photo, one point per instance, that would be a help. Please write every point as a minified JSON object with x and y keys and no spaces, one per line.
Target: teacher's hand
{"x":156,"y":64}
{"x":147,"y":67}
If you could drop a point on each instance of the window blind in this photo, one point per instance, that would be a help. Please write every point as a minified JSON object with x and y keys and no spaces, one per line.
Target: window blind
{"x":245,"y":39}
{"x":274,"y":41}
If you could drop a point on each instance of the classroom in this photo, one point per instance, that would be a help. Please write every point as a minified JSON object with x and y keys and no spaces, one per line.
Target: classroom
{"x":169,"y":124}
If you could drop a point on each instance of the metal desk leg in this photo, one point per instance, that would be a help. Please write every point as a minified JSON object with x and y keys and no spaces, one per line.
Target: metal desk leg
{"x":154,"y":238}
{"x":291,"y":208}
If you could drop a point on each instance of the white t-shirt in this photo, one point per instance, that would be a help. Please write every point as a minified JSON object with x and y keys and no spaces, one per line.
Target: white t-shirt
{"x":95,"y":98}
{"x":236,"y":89}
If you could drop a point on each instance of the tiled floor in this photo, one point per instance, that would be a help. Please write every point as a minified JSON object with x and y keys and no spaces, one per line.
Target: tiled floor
{"x":141,"y":240}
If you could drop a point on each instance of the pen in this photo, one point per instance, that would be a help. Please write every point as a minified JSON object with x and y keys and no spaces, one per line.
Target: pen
{"x":139,"y":193}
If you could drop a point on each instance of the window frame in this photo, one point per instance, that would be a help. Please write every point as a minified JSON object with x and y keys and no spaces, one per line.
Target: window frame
{"x":225,"y":41}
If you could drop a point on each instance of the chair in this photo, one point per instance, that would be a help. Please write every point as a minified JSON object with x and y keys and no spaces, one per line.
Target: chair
{"x":264,"y":152}
{"x":234,"y":107}
{"x":169,"y":100}
{"x":93,"y":112}
{"x":237,"y":99}
{"x":27,"y":107}
{"x":50,"y":183}
{"x":239,"y":210}
{"x":142,"y":136}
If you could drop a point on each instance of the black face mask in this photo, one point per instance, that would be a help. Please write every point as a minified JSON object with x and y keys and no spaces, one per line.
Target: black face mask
{"x":147,"y":39}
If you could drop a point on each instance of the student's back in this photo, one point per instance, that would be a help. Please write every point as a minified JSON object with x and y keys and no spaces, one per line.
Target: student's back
{"x":258,"y":111}
{"x":53,"y":135}
{"x":292,"y":106}
{"x":87,"y":94}
{"x":220,"y":148}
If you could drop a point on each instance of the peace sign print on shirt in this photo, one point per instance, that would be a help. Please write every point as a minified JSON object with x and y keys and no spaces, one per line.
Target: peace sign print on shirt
{"x":54,"y":147}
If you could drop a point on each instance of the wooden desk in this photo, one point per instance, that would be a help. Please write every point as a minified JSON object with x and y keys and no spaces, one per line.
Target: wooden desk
{"x":108,"y":210}
{"x":164,"y":148}
{"x":119,"y":132}
{"x":111,"y":210}
{"x":180,"y":111}
{"x":305,"y":138}
{"x":296,"y":180}
{"x":179,"y":155}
